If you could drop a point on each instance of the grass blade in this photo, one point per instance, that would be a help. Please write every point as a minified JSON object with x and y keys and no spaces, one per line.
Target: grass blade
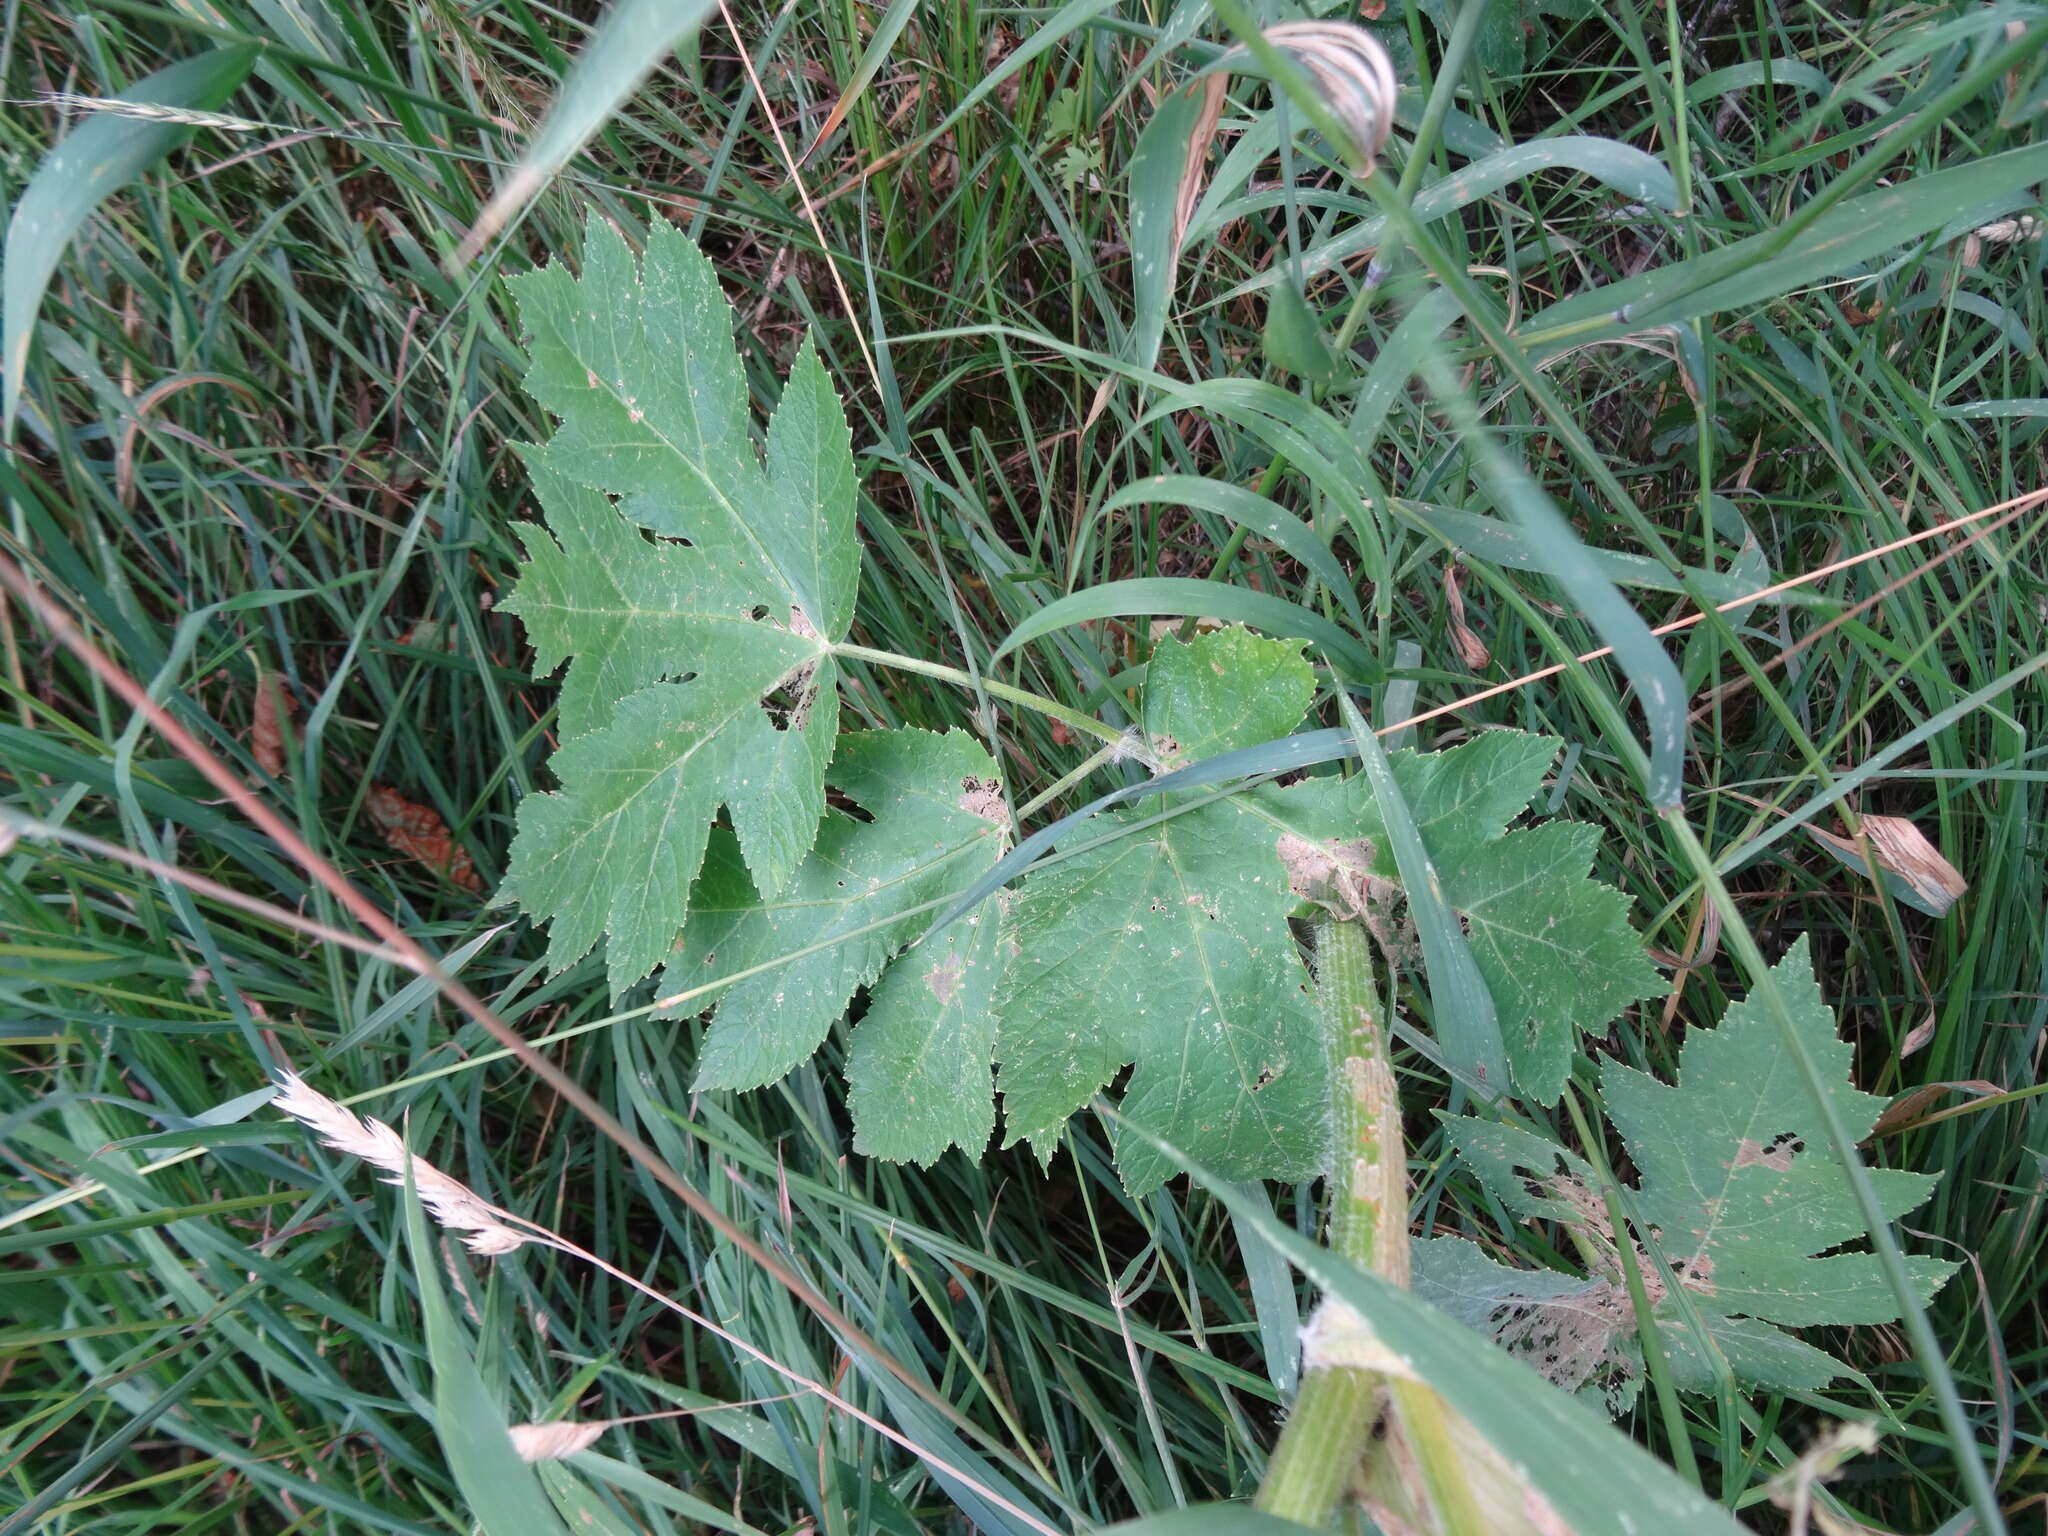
{"x":1159,"y":167}
{"x":1742,"y":274}
{"x":503,"y":1492}
{"x":1184,"y":597}
{"x":1251,"y":511}
{"x":94,"y":161}
{"x":1467,"y":1026}
{"x":626,"y":47}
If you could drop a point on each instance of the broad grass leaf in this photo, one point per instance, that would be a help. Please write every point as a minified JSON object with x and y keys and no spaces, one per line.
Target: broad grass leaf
{"x":624,"y":48}
{"x":1635,"y":175}
{"x":1761,"y":267}
{"x":95,"y":160}
{"x":1190,"y":597}
{"x":1172,"y":144}
{"x":503,"y":1492}
{"x":1734,"y":1189}
{"x":693,"y":590}
{"x":1210,"y":1520}
{"x":1256,"y":514}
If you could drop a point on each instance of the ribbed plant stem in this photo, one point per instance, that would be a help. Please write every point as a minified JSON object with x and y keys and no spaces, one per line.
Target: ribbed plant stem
{"x":1369,"y":1182}
{"x":1319,"y":1450}
{"x":1339,"y":1404}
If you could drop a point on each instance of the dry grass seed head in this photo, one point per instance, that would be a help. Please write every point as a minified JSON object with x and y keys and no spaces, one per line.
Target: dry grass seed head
{"x":452,"y":1203}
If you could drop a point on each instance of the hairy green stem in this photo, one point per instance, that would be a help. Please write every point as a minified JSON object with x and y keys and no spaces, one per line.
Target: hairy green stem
{"x":1369,"y":1180}
{"x":1088,"y":725}
{"x":1097,"y":759}
{"x":1331,"y":1426}
{"x":1320,"y":1448}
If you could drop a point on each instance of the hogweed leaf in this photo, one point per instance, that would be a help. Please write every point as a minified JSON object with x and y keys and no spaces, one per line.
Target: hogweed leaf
{"x":1735,"y":1171}
{"x":1554,"y":947}
{"x":1737,"y":1193}
{"x":918,"y":1072}
{"x":1168,"y":949}
{"x":693,"y":590}
{"x":1228,"y":690}
{"x":936,"y":821}
{"x":1576,"y":1333}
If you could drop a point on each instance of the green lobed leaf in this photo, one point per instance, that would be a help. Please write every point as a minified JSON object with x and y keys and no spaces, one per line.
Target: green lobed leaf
{"x":1735,"y":1174}
{"x":1553,"y":946}
{"x":918,"y":1075}
{"x":693,"y":591}
{"x":1167,"y":949}
{"x":937,"y":820}
{"x":1736,"y":1192}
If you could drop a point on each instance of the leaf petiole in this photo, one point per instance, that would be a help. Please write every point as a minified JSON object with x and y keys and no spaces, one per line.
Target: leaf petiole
{"x":1331,"y":1428}
{"x":1051,"y":708}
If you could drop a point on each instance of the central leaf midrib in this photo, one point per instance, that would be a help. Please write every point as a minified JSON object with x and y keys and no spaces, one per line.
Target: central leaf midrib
{"x":827,"y":903}
{"x":789,"y":586}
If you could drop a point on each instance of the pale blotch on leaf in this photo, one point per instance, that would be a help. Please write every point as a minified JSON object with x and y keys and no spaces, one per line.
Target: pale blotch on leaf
{"x":984,"y":798}
{"x":1754,"y":1154}
{"x":943,"y":979}
{"x":1336,"y":875}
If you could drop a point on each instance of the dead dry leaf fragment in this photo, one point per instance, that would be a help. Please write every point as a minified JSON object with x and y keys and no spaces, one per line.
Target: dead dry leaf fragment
{"x":1906,"y":1111}
{"x":274,"y":707}
{"x":1471,"y":649}
{"x":418,"y":832}
{"x":555,"y":1439}
{"x":1901,"y":848}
